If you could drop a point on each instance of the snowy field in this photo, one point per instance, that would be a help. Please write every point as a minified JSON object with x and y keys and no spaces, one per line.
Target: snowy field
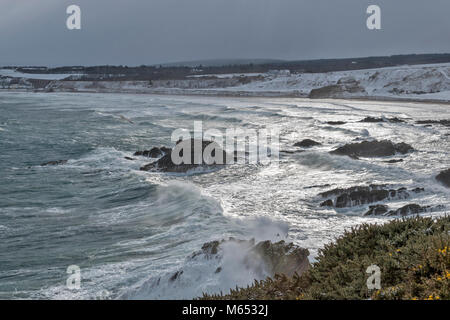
{"x":420,"y":81}
{"x":15,"y":74}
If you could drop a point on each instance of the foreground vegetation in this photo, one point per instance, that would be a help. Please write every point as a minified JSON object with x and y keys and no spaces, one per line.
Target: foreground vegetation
{"x":413,"y":255}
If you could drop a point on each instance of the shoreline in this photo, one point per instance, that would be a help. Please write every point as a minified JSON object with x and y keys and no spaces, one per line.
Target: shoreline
{"x":239,"y":94}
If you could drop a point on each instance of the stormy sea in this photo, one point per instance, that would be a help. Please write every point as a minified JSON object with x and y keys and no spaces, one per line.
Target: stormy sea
{"x":72,"y":192}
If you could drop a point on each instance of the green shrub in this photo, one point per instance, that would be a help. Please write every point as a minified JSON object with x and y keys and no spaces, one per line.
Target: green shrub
{"x":412,"y":254}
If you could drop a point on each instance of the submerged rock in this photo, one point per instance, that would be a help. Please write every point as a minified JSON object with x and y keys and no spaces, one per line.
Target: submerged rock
{"x":444,"y":177}
{"x":175,"y":276}
{"x":444,"y":122}
{"x":317,"y":186}
{"x":207,"y":157}
{"x":382,"y":210}
{"x":54,"y":163}
{"x":377,"y":210}
{"x":374,"y":120}
{"x":360,"y":195}
{"x":336,"y":123}
{"x":394,"y":161}
{"x":418,"y":190}
{"x":327,"y":203}
{"x":307,"y":143}
{"x":408,"y":209}
{"x":153,"y":153}
{"x":396,"y":120}
{"x":374,"y":148}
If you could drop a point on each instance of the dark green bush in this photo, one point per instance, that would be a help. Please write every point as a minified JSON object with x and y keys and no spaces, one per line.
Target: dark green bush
{"x":412,"y":254}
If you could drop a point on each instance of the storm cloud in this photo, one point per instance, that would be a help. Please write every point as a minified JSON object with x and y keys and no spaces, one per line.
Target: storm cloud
{"x":135,"y":32}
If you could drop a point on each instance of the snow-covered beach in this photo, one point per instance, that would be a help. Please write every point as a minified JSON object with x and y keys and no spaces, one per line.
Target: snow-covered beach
{"x":417,"y":82}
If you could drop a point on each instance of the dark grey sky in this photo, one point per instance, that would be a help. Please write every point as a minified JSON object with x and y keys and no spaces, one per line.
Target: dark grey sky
{"x":134,"y":32}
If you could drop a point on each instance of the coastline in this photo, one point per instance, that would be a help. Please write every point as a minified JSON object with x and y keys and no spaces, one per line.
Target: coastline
{"x":426,"y":83}
{"x":237,"y":94}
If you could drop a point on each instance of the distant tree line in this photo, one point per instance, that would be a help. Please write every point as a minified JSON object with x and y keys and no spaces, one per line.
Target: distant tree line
{"x":144,"y":72}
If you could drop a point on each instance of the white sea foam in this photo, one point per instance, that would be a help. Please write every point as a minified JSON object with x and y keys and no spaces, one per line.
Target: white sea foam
{"x":134,"y":230}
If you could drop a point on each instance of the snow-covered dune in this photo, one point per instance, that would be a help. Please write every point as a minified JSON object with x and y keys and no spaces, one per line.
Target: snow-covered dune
{"x":425,"y":81}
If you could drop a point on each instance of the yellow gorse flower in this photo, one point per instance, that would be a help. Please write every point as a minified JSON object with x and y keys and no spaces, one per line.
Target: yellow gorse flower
{"x":444,"y":250}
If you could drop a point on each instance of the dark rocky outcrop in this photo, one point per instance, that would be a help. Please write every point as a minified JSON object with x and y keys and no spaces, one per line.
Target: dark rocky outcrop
{"x":275,"y":258}
{"x":377,"y":210}
{"x":371,"y":149}
{"x":54,"y":163}
{"x":382,"y":210}
{"x":210,"y":248}
{"x":408,"y":209}
{"x":317,"y":186}
{"x":396,"y":120}
{"x":444,"y":122}
{"x":208,"y":150}
{"x":129,"y":158}
{"x":327,"y":203}
{"x":375,"y":120}
{"x":175,"y":276}
{"x":338,"y":191}
{"x":307,"y":143}
{"x":153,"y":153}
{"x":360,"y":195}
{"x":444,"y":177}
{"x":282,"y":258}
{"x":394,"y":161}
{"x":336,"y":123}
{"x":372,"y":120}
